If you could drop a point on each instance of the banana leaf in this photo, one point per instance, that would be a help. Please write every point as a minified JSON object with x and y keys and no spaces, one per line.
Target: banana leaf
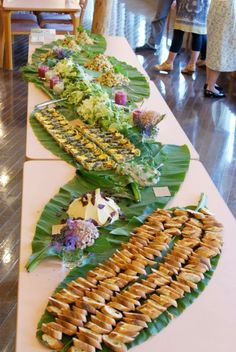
{"x":154,"y":326}
{"x":176,"y":162}
{"x":137,"y":89}
{"x":90,"y":50}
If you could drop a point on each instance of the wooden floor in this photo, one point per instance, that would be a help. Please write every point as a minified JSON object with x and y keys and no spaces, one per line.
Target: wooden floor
{"x":209,"y":124}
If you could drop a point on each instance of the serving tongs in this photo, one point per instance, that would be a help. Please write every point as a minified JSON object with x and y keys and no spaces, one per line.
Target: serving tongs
{"x":49,"y":102}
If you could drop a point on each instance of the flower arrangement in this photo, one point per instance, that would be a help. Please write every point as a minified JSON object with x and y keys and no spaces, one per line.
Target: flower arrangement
{"x":74,"y":236}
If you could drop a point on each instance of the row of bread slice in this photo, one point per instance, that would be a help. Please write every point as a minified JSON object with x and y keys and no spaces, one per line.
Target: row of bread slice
{"x":143,"y":236}
{"x":91,"y":305}
{"x":132,"y":322}
{"x":102,"y":316}
{"x":99,"y":285}
{"x":165,"y":296}
{"x":126,"y":303}
{"x":73,"y":142}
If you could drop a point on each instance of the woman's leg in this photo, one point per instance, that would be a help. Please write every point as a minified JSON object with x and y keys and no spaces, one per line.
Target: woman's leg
{"x":174,"y":49}
{"x":175,"y":45}
{"x":196,"y":47}
{"x":212,"y":77}
{"x":203,"y":48}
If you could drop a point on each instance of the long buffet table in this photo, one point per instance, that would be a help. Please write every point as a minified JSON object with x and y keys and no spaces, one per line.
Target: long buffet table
{"x":170,"y":130}
{"x":208,"y":324}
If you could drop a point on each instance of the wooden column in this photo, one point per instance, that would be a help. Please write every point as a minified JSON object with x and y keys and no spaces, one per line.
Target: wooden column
{"x":101,"y":16}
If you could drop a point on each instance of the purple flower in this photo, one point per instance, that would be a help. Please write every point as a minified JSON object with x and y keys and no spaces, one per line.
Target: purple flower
{"x":71,"y":242}
{"x":57,"y":246}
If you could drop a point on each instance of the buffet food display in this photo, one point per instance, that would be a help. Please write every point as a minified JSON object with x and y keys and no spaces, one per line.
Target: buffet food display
{"x":155,"y":261}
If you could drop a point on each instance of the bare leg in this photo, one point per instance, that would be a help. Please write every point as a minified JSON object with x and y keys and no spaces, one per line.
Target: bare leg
{"x":171,"y":57}
{"x":193,"y":58}
{"x":212,"y":77}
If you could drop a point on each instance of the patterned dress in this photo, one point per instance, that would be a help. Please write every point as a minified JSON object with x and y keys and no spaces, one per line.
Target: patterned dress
{"x":221,"y":45}
{"x":191,"y":16}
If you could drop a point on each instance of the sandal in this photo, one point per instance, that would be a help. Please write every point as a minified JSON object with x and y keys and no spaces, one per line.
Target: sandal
{"x":189,"y":69}
{"x":165,"y":66}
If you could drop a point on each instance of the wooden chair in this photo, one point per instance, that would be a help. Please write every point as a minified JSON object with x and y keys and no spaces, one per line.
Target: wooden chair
{"x":62,"y":22}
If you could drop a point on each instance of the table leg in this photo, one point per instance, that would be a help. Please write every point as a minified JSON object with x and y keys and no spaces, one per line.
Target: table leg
{"x":2,"y":39}
{"x":75,"y":16}
{"x":8,"y":39}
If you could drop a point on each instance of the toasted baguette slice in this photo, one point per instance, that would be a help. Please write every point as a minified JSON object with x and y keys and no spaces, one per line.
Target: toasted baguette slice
{"x":58,"y":303}
{"x":96,"y":328}
{"x":139,"y":316}
{"x":114,"y":345}
{"x":107,"y":268}
{"x":120,"y":337}
{"x":53,"y":310}
{"x":105,"y":318}
{"x":186,"y":282}
{"x":125,"y":301}
{"x":70,"y":319}
{"x":135,"y":322}
{"x":69,"y":294}
{"x":85,"y":306}
{"x":91,"y":333}
{"x":112,"y":265}
{"x":89,"y":340}
{"x":111,"y":312}
{"x":81,"y":313}
{"x":143,"y":288}
{"x":75,"y":290}
{"x":155,"y":304}
{"x":127,"y":278}
{"x":149,"y":310}
{"x":92,"y":302}
{"x":101,"y":323}
{"x":119,"y":306}
{"x":63,"y":298}
{"x":85,"y":282}
{"x":52,"y":331}
{"x":110,"y":286}
{"x":102,"y":291}
{"x":177,"y":284}
{"x":83,"y":346}
{"x":67,"y":328}
{"x":95,"y":296}
{"x":52,"y":342}
{"x":127,"y":329}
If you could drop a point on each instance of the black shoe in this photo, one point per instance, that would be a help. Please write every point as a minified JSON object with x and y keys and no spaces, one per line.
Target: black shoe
{"x":145,"y":47}
{"x":210,"y":94}
{"x":219,"y":88}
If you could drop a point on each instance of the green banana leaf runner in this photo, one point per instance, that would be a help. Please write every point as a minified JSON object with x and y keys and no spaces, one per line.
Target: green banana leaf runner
{"x":137,"y":89}
{"x":87,"y":50}
{"x":176,"y":162}
{"x":156,"y":325}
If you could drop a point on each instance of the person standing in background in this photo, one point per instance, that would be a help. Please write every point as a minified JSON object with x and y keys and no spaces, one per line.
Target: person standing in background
{"x":157,"y":26}
{"x":191,"y":17}
{"x":221,"y":45}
